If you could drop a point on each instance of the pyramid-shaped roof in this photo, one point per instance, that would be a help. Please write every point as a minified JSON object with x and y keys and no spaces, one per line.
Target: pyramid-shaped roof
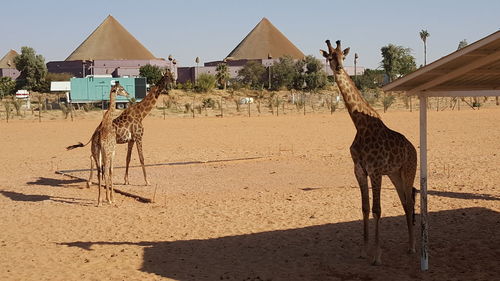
{"x":8,"y":60}
{"x":111,"y":41}
{"x":264,"y":40}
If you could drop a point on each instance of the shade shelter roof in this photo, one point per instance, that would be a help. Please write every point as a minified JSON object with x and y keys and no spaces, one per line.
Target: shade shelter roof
{"x":111,"y":41}
{"x":264,"y":40}
{"x":471,"y":71}
{"x":8,"y":60}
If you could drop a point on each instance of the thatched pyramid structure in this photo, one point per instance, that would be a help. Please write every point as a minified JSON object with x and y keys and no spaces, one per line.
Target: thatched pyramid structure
{"x":264,"y":40}
{"x":110,"y":41}
{"x":8,"y":60}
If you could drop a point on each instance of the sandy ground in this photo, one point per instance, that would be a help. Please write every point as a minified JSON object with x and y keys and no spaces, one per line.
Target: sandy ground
{"x":293,"y":213}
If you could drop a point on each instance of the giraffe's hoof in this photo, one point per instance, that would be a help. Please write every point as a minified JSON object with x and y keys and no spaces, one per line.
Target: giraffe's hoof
{"x":147,"y":183}
{"x":411,"y":251}
{"x":88,"y":184}
{"x":377,"y":262}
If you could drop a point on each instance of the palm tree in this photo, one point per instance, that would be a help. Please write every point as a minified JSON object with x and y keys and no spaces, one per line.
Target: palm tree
{"x":222,"y":74}
{"x":423,"y":35}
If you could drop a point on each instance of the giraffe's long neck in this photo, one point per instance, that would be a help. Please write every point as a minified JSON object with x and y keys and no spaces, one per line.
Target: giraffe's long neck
{"x":357,"y":106}
{"x":108,"y":115}
{"x":147,"y":104}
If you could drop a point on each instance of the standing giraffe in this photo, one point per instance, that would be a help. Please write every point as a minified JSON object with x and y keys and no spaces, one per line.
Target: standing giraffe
{"x":129,"y":128}
{"x":375,"y":151}
{"x":104,"y":152}
{"x":128,"y":125}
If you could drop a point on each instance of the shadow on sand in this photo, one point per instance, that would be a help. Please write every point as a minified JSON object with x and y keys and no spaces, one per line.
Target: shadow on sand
{"x":21,"y":197}
{"x":54,"y":182}
{"x":463,"y":195}
{"x":463,"y":246}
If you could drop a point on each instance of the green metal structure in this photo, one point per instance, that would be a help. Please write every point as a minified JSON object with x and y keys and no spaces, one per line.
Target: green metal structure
{"x":96,"y":89}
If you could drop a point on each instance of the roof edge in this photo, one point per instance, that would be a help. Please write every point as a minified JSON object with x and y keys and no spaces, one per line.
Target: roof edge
{"x":437,"y":63}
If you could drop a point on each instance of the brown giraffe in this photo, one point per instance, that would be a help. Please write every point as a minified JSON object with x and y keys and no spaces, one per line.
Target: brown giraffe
{"x":129,"y":128}
{"x":128,"y":125}
{"x":104,"y":151}
{"x":376,"y":151}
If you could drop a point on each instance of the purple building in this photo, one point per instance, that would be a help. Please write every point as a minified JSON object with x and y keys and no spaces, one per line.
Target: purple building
{"x":7,"y":66}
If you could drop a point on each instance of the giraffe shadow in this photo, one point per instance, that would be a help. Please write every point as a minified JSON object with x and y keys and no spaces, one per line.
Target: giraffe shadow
{"x":464,"y":195}
{"x":21,"y":197}
{"x":461,"y":246}
{"x":43,"y":181}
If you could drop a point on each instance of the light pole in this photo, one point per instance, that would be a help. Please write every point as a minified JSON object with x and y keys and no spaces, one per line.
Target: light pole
{"x":269,"y":57}
{"x":355,"y":69}
{"x":197,"y":60}
{"x":171,"y":60}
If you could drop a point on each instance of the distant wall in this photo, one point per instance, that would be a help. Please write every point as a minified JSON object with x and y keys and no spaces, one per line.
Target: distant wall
{"x":9,"y":72}
{"x":116,"y":68}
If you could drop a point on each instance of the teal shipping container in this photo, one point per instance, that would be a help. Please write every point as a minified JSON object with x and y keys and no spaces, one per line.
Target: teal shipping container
{"x":96,"y":89}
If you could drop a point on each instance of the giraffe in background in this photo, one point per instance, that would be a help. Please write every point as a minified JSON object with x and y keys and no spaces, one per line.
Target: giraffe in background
{"x":375,"y":151}
{"x":105,"y":145}
{"x":128,"y":124}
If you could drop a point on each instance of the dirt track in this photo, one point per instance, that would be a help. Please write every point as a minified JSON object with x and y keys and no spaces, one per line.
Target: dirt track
{"x":293,"y":214}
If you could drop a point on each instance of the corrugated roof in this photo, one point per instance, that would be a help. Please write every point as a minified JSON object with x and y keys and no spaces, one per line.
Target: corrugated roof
{"x":473,"y":68}
{"x":111,"y":41}
{"x":8,"y":60}
{"x":265,"y":39}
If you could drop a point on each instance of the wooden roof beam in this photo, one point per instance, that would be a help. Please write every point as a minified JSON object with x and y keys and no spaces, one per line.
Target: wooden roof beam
{"x":457,"y":72}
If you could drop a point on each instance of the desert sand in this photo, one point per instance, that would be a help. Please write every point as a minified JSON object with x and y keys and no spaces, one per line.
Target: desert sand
{"x":238,"y":198}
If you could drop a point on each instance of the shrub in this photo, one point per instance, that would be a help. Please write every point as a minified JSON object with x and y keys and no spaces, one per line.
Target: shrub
{"x":17,"y":106}
{"x":387,"y":101}
{"x":205,"y":83}
{"x":208,"y":103}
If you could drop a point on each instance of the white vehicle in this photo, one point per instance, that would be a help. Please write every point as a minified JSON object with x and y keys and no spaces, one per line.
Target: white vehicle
{"x":22,"y":94}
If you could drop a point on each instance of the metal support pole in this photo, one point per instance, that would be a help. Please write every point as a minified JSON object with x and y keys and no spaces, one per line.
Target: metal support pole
{"x":424,"y":227}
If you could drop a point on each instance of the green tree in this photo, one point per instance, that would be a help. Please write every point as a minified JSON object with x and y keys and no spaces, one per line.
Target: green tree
{"x":153,"y":73}
{"x":32,"y":68}
{"x":424,"y":35}
{"x":315,"y":77}
{"x":462,"y":44}
{"x":284,"y":73}
{"x":205,"y":83}
{"x":397,"y":61}
{"x":252,"y":75}
{"x":7,"y":86}
{"x":45,"y":85}
{"x":222,"y":74}
{"x":371,"y":79}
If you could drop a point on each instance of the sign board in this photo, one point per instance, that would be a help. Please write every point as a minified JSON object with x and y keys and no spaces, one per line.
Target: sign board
{"x":60,"y":86}
{"x":22,"y":94}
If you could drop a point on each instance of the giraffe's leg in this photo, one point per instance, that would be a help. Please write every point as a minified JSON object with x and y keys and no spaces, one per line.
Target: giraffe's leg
{"x":111,"y":176}
{"x":141,"y":158}
{"x":99,"y":176}
{"x":89,"y":181}
{"x":129,"y":153}
{"x":106,"y":173}
{"x":365,"y":205}
{"x":376,"y":181}
{"x":406,"y":194}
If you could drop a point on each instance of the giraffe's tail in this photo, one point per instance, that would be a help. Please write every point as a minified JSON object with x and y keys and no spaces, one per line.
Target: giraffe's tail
{"x":77,"y":145}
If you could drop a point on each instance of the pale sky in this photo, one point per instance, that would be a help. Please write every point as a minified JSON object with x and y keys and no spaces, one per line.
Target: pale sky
{"x":211,"y":29}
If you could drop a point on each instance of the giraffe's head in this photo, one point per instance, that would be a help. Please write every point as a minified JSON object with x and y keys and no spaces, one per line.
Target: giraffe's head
{"x":119,"y":90}
{"x":335,"y":56}
{"x":166,"y":82}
